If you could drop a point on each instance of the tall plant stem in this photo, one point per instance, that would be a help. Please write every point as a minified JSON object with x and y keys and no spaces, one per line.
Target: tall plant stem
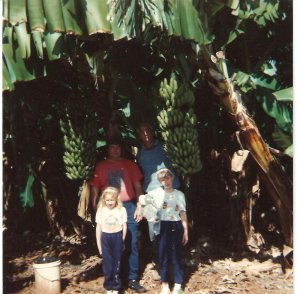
{"x":275,"y":179}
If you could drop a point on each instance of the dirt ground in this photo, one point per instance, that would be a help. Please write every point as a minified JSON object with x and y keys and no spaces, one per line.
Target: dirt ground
{"x":210,"y":267}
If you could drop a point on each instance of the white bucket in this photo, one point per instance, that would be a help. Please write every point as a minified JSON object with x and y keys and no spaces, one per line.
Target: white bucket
{"x":47,"y":275}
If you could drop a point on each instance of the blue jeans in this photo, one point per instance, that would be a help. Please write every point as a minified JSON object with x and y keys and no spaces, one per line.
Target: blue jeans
{"x":169,"y":250}
{"x":131,"y":243}
{"x":111,"y":251}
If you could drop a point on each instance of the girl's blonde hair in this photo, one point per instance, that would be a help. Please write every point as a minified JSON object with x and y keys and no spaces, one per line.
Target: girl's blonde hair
{"x":164,"y":172}
{"x":115,"y":192}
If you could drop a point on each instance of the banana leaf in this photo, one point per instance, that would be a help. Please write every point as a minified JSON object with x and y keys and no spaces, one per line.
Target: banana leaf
{"x":38,"y":43}
{"x":275,"y":102}
{"x":285,"y":95}
{"x":14,"y":11}
{"x":280,"y":111}
{"x":56,"y":18}
{"x":95,"y":16}
{"x":36,"y":15}
{"x":289,"y":151}
{"x":170,"y":20}
{"x":18,"y":69}
{"x":55,"y":45}
{"x":26,"y":195}
{"x":7,"y":83}
{"x":283,"y":140}
{"x":278,"y":183}
{"x":232,"y":36}
{"x":191,"y":27}
{"x":72,"y":17}
{"x":54,"y":15}
{"x":23,"y":39}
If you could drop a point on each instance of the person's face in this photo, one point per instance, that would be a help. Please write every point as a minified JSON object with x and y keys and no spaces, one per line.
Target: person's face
{"x":114,"y":151}
{"x":166,"y":182}
{"x":110,"y":201}
{"x":145,"y":135}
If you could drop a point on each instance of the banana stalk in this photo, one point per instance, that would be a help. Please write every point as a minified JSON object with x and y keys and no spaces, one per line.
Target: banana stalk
{"x":275,"y":179}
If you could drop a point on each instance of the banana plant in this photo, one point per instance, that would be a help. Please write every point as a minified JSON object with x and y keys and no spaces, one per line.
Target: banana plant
{"x":37,"y":31}
{"x":279,"y":185}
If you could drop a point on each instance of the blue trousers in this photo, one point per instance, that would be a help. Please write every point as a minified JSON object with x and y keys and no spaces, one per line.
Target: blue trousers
{"x":111,"y":252}
{"x":131,"y":258}
{"x":169,"y":250}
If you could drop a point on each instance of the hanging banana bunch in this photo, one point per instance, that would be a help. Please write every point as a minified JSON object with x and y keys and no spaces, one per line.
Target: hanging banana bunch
{"x":177,"y":122}
{"x":79,"y":128}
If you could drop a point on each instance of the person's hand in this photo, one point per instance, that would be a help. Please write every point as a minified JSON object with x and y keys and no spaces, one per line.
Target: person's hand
{"x":138,"y":214}
{"x":185,"y":237}
{"x":100,"y":251}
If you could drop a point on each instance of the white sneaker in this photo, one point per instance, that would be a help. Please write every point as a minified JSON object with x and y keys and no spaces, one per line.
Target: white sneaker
{"x":114,"y":292}
{"x":177,"y":291}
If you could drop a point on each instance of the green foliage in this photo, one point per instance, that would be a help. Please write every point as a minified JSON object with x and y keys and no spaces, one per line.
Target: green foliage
{"x":289,"y":150}
{"x":26,"y":196}
{"x":93,"y":44}
{"x":263,"y":86}
{"x":276,"y":104}
{"x":285,"y":95}
{"x":50,"y":30}
{"x":260,"y":11}
{"x":284,"y":140}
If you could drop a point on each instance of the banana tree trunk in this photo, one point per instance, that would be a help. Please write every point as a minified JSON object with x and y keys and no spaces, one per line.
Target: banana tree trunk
{"x":275,"y":179}
{"x":62,"y":219}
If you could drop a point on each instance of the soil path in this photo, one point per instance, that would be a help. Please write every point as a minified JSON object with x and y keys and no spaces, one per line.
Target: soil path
{"x":209,"y":268}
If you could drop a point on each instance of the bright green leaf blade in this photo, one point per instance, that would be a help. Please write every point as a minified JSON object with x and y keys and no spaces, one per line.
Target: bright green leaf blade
{"x":172,"y":21}
{"x":36,"y":15}
{"x":26,"y":195}
{"x":23,"y":39}
{"x":54,"y":15}
{"x":38,"y":43}
{"x":159,"y":71}
{"x":16,"y":11}
{"x":265,"y":82}
{"x":289,"y":151}
{"x":15,"y":64}
{"x":7,"y":80}
{"x":95,"y":16}
{"x":280,"y":111}
{"x":232,"y":36}
{"x":72,"y":16}
{"x":5,"y":10}
{"x":18,"y":69}
{"x":284,"y":95}
{"x":191,"y":26}
{"x":233,"y":4}
{"x":55,"y":45}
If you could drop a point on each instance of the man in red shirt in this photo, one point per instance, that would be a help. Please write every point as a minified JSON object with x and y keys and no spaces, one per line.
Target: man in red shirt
{"x":126,"y":176}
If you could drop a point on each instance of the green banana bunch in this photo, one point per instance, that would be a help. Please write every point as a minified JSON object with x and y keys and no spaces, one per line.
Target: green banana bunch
{"x":79,"y":131}
{"x":177,"y":122}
